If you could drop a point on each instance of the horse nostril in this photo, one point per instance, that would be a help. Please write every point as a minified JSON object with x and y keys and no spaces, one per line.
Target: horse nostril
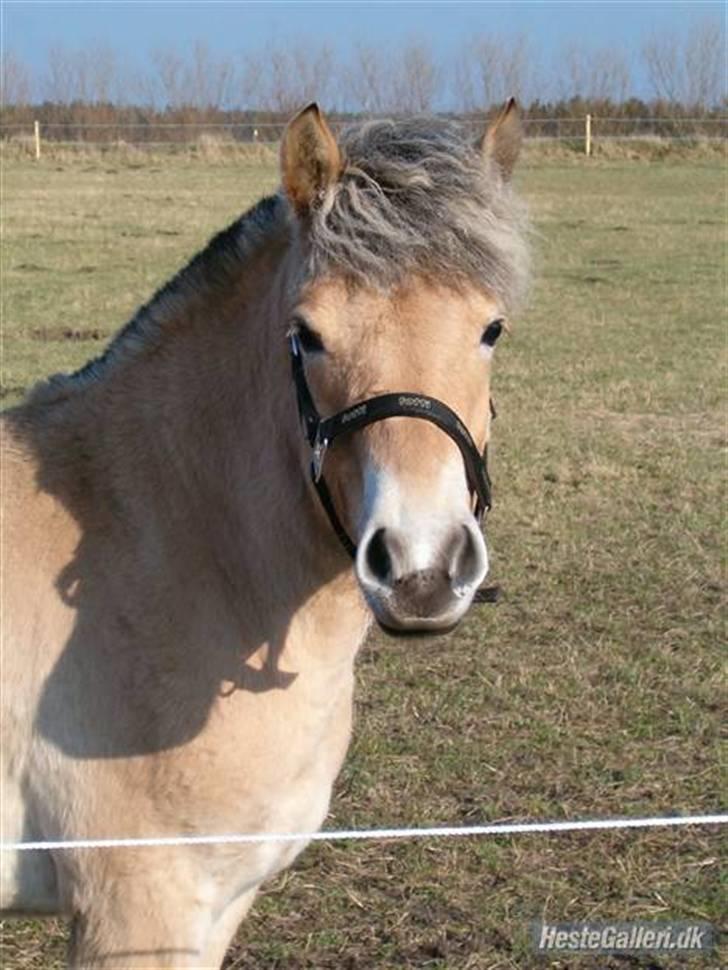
{"x":465,"y":559}
{"x":378,"y":558}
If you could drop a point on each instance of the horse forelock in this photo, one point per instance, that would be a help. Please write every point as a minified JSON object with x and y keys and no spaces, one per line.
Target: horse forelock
{"x":415,"y":197}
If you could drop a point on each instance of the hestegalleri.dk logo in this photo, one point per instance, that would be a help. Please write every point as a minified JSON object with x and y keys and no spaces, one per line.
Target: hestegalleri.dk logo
{"x":639,"y":936}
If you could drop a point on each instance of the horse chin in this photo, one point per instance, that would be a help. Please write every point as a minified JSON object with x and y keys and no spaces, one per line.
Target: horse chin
{"x":423,"y":632}
{"x":415,"y":626}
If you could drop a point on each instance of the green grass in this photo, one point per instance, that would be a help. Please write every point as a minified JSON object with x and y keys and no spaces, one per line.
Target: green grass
{"x":594,"y":688}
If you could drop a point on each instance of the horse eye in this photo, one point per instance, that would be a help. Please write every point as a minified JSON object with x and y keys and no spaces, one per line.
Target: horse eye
{"x":491,"y":333}
{"x":310,"y":341}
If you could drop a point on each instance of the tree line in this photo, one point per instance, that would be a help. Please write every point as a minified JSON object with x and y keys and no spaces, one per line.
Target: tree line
{"x":95,"y":87}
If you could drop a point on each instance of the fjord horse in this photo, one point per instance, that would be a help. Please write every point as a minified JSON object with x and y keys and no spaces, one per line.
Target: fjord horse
{"x":200,"y":524}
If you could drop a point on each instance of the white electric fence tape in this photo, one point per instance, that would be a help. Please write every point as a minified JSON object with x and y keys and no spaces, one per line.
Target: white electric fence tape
{"x":506,"y":828}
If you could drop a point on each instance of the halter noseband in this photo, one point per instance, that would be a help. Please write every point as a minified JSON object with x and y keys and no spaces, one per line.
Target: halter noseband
{"x":321,"y":432}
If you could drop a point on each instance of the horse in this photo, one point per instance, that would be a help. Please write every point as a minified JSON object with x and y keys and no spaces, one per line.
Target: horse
{"x":200,"y":525}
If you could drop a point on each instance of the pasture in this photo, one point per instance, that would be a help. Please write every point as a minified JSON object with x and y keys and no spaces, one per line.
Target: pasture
{"x":594,"y":688}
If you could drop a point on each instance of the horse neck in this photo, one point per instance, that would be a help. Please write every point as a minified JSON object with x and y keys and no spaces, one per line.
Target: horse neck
{"x":200,"y":442}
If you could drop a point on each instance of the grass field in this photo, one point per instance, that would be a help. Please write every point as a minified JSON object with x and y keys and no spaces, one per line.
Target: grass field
{"x":594,"y":688}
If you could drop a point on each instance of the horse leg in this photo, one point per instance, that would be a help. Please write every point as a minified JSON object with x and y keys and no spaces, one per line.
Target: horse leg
{"x":138,"y":926}
{"x":225,"y":927}
{"x":116,"y":937}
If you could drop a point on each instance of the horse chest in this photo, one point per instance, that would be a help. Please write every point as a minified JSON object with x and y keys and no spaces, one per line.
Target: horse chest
{"x":265,"y":760}
{"x":265,"y":763}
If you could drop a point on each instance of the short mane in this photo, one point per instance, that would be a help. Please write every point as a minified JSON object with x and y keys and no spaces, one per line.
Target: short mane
{"x":220,"y":260}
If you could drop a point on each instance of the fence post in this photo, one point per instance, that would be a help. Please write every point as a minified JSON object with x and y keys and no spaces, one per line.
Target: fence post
{"x":36,"y":132}
{"x":587,"y":137}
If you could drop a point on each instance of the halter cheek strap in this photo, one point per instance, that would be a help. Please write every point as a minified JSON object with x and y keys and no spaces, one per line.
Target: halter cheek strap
{"x":322,"y":432}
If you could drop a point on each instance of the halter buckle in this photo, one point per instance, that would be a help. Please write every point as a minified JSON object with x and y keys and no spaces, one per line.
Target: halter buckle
{"x":318,"y":454}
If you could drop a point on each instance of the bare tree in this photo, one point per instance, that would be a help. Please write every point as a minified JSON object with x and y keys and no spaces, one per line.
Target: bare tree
{"x":87,"y":75}
{"x":102,"y":74}
{"x":169,"y":77}
{"x":317,"y":71}
{"x":15,"y":82}
{"x":248,"y":80}
{"x":415,"y":80}
{"x":662,"y":59}
{"x":200,"y":81}
{"x":60,"y":80}
{"x":281,"y":88}
{"x":601,"y":74}
{"x":705,"y":64}
{"x":379,"y":82}
{"x":368,"y":80}
{"x":142,"y":87}
{"x":209,"y":79}
{"x":287,"y":76}
{"x":489,"y":70}
{"x":421,"y":76}
{"x":689,"y":69}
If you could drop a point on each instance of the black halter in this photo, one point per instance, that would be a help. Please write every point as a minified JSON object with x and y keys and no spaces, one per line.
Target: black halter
{"x":321,"y":432}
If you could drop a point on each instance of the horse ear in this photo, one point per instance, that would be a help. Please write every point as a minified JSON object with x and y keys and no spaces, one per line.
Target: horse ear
{"x":503,"y":138}
{"x":310,"y":159}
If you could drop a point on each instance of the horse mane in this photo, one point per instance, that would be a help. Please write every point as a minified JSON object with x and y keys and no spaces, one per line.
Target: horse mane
{"x":415,"y":197}
{"x":218,"y":262}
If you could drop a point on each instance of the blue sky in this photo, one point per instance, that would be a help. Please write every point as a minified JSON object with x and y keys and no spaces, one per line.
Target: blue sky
{"x":134,"y":29}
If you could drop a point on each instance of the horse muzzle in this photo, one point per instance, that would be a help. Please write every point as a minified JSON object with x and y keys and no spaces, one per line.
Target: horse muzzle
{"x":415,"y":587}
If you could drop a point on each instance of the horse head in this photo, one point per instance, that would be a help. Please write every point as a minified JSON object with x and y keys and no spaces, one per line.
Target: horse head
{"x":408,"y":259}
